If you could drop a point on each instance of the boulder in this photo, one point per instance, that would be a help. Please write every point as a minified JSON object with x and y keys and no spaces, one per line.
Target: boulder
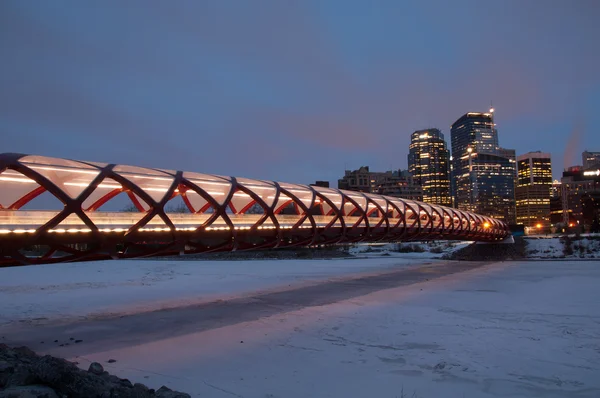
{"x":23,"y":374}
{"x":96,"y":368}
{"x":28,"y":392}
{"x":165,"y":392}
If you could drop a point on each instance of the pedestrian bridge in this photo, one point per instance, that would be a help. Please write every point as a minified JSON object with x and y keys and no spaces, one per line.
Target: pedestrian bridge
{"x":55,"y":210}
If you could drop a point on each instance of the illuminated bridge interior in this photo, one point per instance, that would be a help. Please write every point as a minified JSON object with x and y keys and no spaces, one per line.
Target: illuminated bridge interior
{"x":64,"y":210}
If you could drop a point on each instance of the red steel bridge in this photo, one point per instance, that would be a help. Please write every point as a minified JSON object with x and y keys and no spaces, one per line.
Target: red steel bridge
{"x":54,"y":210}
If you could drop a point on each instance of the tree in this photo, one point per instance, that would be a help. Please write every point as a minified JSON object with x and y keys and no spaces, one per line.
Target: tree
{"x":130,"y":208}
{"x":179,"y":208}
{"x":255,"y":209}
{"x":595,"y":228}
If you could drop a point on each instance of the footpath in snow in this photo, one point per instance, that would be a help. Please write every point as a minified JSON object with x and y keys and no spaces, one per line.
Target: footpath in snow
{"x":44,"y":293}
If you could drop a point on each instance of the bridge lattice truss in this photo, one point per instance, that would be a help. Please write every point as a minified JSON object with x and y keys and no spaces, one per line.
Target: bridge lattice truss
{"x":215,"y":213}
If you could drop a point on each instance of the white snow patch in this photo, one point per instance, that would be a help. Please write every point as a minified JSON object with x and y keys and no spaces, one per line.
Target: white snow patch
{"x":585,"y":247}
{"x":416,"y":250}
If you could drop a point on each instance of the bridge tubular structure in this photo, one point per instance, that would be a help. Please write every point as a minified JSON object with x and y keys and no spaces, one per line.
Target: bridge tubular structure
{"x":54,"y":210}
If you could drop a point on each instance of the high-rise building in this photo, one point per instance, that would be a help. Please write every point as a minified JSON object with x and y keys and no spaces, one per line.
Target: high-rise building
{"x":483,"y":174}
{"x":534,"y":189}
{"x":590,"y":159}
{"x":487,"y":186}
{"x":475,"y":130}
{"x":429,"y":164}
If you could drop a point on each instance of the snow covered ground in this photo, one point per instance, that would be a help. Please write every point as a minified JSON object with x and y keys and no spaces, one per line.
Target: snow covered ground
{"x":586,"y":247}
{"x":47,"y":292}
{"x":510,"y":329}
{"x":415,"y":250}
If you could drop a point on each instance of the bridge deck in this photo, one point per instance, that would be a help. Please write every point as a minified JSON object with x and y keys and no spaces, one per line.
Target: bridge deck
{"x":217,"y":213}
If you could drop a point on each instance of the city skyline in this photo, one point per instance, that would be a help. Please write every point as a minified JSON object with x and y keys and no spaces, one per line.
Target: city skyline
{"x":335,"y":77}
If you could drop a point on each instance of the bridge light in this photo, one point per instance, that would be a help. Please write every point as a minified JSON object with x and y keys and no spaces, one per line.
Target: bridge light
{"x":486,"y":225}
{"x":538,"y":225}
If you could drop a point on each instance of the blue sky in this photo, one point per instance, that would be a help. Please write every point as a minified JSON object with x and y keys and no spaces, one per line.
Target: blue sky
{"x":293,"y":90}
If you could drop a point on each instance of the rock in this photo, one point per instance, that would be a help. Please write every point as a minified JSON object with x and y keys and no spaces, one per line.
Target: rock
{"x":112,"y":378}
{"x":24,"y":352}
{"x":78,"y":341}
{"x":23,"y":373}
{"x":5,"y":367}
{"x":66,"y":378}
{"x":20,"y":376}
{"x":165,"y":392}
{"x":29,"y":392}
{"x":96,"y":368}
{"x":140,"y":387}
{"x":112,"y":361}
{"x":6,"y":370}
{"x":126,"y":383}
{"x":440,"y":366}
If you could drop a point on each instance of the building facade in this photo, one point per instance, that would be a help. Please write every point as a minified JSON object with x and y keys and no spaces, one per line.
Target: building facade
{"x":579,"y":186}
{"x":429,"y":164}
{"x":590,"y":159}
{"x":323,"y":184}
{"x":534,"y":189}
{"x":364,"y":180}
{"x":402,"y":185}
{"x":487,"y":186}
{"x":483,"y":174}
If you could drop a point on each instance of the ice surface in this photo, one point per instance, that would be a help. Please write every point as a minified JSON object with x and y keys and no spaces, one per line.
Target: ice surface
{"x":510,"y":329}
{"x":52,"y":291}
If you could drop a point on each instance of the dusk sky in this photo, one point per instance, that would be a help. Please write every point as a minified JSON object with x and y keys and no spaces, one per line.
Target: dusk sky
{"x":293,"y":90}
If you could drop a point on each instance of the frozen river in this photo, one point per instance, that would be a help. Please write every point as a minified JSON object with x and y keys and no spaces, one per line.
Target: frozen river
{"x":378,"y":327}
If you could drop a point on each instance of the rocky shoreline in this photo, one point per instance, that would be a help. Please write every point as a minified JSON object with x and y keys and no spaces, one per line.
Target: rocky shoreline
{"x":24,"y":374}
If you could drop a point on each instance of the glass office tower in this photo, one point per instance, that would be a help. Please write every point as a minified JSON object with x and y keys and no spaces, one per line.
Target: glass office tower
{"x":429,"y":164}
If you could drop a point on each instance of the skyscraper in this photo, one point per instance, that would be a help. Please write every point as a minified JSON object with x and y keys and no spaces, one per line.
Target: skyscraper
{"x":534,"y":188}
{"x":429,"y":164}
{"x":475,"y":130}
{"x":483,"y":174}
